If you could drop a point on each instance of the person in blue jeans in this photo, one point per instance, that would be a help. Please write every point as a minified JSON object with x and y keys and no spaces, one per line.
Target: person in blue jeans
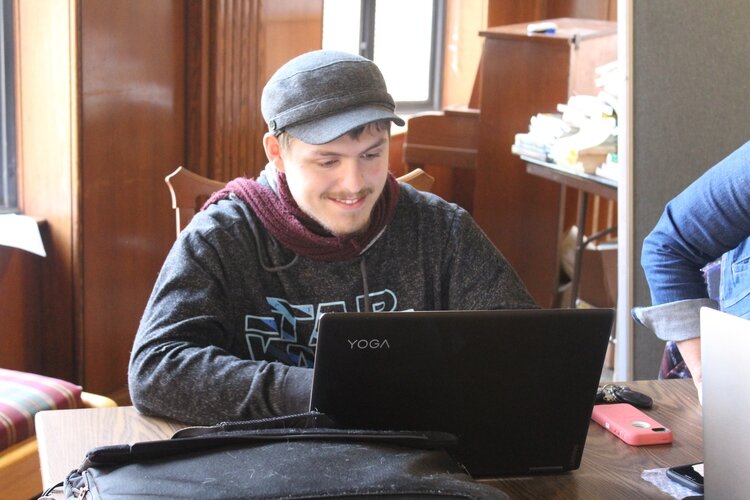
{"x":709,"y":220}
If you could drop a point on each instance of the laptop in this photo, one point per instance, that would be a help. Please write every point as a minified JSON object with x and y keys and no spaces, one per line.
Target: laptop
{"x":725,"y":350}
{"x":515,"y":386}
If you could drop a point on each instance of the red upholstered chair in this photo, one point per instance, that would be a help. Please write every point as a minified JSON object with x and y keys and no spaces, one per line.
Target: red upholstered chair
{"x":22,"y":395}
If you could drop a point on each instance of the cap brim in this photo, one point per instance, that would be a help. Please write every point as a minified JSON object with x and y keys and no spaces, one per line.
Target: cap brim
{"x":329,"y":128}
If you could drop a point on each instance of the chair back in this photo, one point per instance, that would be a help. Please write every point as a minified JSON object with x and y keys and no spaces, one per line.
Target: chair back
{"x":418,"y":179}
{"x":190,"y":191}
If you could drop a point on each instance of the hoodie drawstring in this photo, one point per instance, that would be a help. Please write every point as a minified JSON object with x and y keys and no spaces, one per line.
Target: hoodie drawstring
{"x":363,"y":269}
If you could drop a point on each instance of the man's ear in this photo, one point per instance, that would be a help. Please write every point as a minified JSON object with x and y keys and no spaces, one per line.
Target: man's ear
{"x":272,"y":148}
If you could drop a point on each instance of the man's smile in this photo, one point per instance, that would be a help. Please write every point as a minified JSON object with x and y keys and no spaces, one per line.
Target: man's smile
{"x":350,"y":201}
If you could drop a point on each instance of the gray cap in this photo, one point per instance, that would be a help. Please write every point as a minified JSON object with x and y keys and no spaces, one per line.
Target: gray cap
{"x":321,"y":95}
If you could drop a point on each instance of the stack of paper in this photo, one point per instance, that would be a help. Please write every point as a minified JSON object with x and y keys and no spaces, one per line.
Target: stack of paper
{"x":583,"y":131}
{"x":595,"y":125}
{"x":544,"y":130}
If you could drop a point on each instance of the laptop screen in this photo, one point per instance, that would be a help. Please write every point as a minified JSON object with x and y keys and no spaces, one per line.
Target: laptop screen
{"x":515,"y":386}
{"x":725,"y":351}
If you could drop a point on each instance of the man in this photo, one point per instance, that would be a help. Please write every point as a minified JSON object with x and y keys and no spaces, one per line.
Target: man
{"x":709,"y":220}
{"x":229,"y":331}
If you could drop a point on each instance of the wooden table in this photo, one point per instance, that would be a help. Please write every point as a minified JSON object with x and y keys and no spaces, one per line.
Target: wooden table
{"x":609,"y":469}
{"x":612,"y":469}
{"x":586,"y":184}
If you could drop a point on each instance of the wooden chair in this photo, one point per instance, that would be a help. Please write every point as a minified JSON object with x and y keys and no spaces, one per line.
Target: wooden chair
{"x":449,"y":138}
{"x":419,"y":179}
{"x":190,"y":191}
{"x":20,"y":475}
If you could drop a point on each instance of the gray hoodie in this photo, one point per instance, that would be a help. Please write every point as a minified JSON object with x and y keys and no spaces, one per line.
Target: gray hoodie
{"x":230,"y":328}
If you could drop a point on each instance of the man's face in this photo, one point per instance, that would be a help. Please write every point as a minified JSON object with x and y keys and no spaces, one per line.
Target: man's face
{"x":338,"y":183}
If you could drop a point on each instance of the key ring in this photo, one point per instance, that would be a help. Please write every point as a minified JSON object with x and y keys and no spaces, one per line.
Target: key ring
{"x":611,"y":393}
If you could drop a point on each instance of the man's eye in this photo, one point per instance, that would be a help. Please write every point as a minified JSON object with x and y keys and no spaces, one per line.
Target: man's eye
{"x":371,"y":156}
{"x":328,"y":163}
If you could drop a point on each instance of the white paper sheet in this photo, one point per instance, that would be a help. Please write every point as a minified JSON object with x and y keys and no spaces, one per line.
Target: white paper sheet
{"x":21,"y":231}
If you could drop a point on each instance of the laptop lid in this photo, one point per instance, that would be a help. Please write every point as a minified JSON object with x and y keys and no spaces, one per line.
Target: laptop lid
{"x":515,"y":386}
{"x":725,"y":351}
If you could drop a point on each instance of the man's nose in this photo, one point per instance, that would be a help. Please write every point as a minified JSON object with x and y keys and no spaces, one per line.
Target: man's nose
{"x":352,"y":177}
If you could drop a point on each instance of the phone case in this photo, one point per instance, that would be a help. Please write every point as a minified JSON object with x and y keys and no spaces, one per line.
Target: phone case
{"x":630,"y":424}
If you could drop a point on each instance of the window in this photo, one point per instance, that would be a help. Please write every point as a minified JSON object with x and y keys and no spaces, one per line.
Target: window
{"x":404,"y":38}
{"x":8,"y":186}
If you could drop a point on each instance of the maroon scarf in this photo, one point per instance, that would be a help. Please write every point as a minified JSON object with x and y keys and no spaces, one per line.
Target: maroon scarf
{"x":293,"y":228}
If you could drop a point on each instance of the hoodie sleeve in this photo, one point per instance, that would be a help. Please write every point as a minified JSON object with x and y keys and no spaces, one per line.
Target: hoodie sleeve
{"x":479,"y":275}
{"x":182,"y":364}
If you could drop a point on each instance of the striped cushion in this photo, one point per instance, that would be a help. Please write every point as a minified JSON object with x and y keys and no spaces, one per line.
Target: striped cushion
{"x":23,"y":394}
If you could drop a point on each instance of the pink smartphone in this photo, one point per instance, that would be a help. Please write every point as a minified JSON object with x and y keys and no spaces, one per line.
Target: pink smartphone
{"x":630,"y":424}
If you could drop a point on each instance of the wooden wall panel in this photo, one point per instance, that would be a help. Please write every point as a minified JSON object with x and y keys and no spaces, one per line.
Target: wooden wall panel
{"x":288,"y":28}
{"x":502,"y":12}
{"x":234,"y":46}
{"x":585,"y":9}
{"x":20,"y":288}
{"x":132,"y":67}
{"x":222,"y":77}
{"x":46,"y":110}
